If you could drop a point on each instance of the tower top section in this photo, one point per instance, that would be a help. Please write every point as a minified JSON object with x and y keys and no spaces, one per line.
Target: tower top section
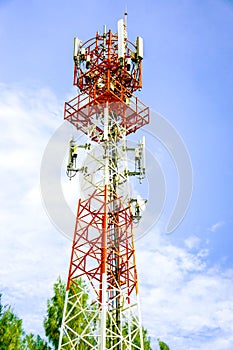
{"x":107,"y":71}
{"x":108,"y":64}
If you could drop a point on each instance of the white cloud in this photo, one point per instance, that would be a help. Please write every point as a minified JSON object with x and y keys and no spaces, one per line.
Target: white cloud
{"x":184,"y":301}
{"x":192,"y":242}
{"x":216,"y":226}
{"x":32,"y":252}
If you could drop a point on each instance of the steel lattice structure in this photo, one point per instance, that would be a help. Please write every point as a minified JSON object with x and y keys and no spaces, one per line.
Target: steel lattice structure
{"x":107,"y":71}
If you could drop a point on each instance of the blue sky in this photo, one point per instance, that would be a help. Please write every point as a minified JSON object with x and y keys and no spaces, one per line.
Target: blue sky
{"x":186,"y":277}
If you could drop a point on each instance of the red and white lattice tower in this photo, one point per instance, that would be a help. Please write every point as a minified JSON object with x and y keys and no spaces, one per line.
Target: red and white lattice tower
{"x":107,"y":71}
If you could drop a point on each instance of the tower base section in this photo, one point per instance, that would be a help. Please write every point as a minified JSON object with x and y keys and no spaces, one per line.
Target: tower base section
{"x":82,"y":326}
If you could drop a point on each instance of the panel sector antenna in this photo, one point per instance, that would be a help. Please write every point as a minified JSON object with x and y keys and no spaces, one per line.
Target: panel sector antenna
{"x":107,"y":72}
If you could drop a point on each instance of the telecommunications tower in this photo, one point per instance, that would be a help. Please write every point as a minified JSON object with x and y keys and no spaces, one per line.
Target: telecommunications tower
{"x":107,"y":71}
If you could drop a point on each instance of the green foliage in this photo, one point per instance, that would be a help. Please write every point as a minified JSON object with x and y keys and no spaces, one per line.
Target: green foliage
{"x":137,"y":341}
{"x":146,"y":339}
{"x":12,"y":336}
{"x":162,"y":345}
{"x":52,"y":322}
{"x":10,"y":329}
{"x":31,"y":342}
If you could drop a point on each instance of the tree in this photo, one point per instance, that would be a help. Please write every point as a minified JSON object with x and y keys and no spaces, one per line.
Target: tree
{"x":10,"y":329}
{"x":146,"y":339}
{"x":32,"y":342}
{"x":52,"y":322}
{"x":162,"y":345}
{"x":12,"y":335}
